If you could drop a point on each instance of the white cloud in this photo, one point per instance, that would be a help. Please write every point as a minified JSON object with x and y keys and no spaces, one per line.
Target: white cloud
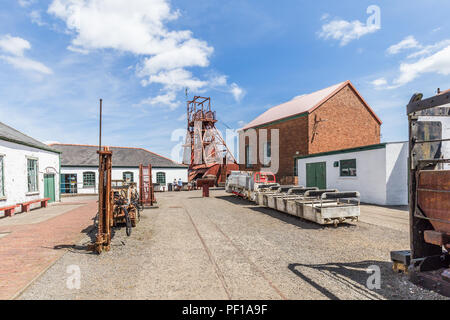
{"x":26,"y":64}
{"x":430,"y":49}
{"x":168,"y":99}
{"x":188,"y":54}
{"x":408,"y":43}
{"x":36,"y":18}
{"x":438,"y":62}
{"x":176,"y":79}
{"x":379,"y":82}
{"x":138,"y":27}
{"x":436,"y":29}
{"x":346,"y":31}
{"x":238,"y":92}
{"x":434,"y":58}
{"x":14,"y":49}
{"x":26,"y":3}
{"x":325,"y":16}
{"x":14,"y":45}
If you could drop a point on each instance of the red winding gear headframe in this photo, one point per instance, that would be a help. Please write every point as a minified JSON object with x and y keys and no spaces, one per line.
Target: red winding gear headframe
{"x":205,"y":150}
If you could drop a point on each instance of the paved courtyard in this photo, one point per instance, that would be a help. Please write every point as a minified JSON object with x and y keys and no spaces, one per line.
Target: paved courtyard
{"x":31,"y":242}
{"x":223,"y":247}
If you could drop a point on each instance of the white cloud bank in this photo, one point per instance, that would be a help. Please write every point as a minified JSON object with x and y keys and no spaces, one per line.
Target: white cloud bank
{"x":13,"y":49}
{"x":433,"y":58}
{"x":379,"y":82}
{"x":438,"y":62}
{"x":139,"y":27}
{"x":408,"y":43}
{"x":346,"y":31}
{"x":26,"y":3}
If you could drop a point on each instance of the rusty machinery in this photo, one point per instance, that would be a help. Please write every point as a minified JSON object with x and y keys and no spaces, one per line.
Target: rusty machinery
{"x":205,"y":150}
{"x":126,"y":207}
{"x":428,"y":261}
{"x":118,"y":204}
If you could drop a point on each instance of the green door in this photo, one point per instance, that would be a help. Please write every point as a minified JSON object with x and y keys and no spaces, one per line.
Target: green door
{"x":49,"y":187}
{"x":316,"y":175}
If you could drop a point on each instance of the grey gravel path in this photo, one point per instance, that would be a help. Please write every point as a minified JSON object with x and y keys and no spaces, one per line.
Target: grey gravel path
{"x":223,"y":247}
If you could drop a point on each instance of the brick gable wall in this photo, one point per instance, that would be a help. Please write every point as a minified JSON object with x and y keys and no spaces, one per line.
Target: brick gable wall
{"x":348,"y":124}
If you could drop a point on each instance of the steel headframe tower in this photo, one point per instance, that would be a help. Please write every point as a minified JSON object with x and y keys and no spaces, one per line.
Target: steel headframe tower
{"x":205,"y":150}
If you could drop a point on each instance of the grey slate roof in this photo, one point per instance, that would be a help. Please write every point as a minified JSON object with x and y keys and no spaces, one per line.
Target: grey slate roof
{"x":12,"y":135}
{"x":73,"y":155}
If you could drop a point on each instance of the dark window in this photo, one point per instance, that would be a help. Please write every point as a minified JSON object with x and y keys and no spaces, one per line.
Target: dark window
{"x":88,"y":179}
{"x":348,"y":168}
{"x":161,"y":177}
{"x":128,"y":176}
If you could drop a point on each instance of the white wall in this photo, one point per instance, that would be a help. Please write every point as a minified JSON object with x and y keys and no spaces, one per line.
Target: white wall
{"x":171,"y":173}
{"x":379,"y":172}
{"x":117,"y":174}
{"x":397,"y":173}
{"x":15,"y":172}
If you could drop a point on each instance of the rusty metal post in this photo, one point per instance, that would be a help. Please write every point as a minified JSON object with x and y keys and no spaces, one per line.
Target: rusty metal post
{"x":103,"y":239}
{"x":146,"y":192}
{"x":205,"y":189}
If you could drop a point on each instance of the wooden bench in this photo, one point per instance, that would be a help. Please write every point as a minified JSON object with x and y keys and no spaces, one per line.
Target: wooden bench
{"x":9,"y":210}
{"x":26,"y":205}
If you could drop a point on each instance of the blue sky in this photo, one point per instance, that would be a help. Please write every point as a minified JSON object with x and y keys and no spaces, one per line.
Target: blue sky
{"x":58,"y":57}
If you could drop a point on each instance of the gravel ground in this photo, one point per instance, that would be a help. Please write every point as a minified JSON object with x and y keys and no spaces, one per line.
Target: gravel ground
{"x":223,"y":247}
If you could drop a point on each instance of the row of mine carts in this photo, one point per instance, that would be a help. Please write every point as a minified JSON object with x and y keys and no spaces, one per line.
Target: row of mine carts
{"x":328,"y":206}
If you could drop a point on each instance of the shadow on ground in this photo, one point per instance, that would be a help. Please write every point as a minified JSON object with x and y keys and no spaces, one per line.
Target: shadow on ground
{"x":349,"y":277}
{"x":91,"y":232}
{"x":287,"y":218}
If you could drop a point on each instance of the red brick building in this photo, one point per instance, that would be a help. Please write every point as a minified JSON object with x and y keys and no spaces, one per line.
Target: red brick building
{"x":330,"y":119}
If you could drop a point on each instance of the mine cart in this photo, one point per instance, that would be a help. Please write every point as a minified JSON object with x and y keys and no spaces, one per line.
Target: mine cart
{"x":331,"y":207}
{"x":428,"y":261}
{"x":247,"y":184}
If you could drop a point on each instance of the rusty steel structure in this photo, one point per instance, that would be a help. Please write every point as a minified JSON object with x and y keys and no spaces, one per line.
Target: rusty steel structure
{"x":118,"y":204}
{"x":105,"y":205}
{"x":429,"y":192}
{"x":146,"y":190}
{"x":205,"y":150}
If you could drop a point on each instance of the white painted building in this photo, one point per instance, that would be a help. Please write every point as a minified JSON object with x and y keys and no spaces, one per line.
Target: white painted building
{"x":379,"y":172}
{"x":79,"y":167}
{"x":29,"y":169}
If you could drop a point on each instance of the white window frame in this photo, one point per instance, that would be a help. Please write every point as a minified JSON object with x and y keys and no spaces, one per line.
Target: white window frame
{"x":132,"y":175}
{"x":84,"y":182}
{"x":36,"y":176}
{"x":165,"y":177}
